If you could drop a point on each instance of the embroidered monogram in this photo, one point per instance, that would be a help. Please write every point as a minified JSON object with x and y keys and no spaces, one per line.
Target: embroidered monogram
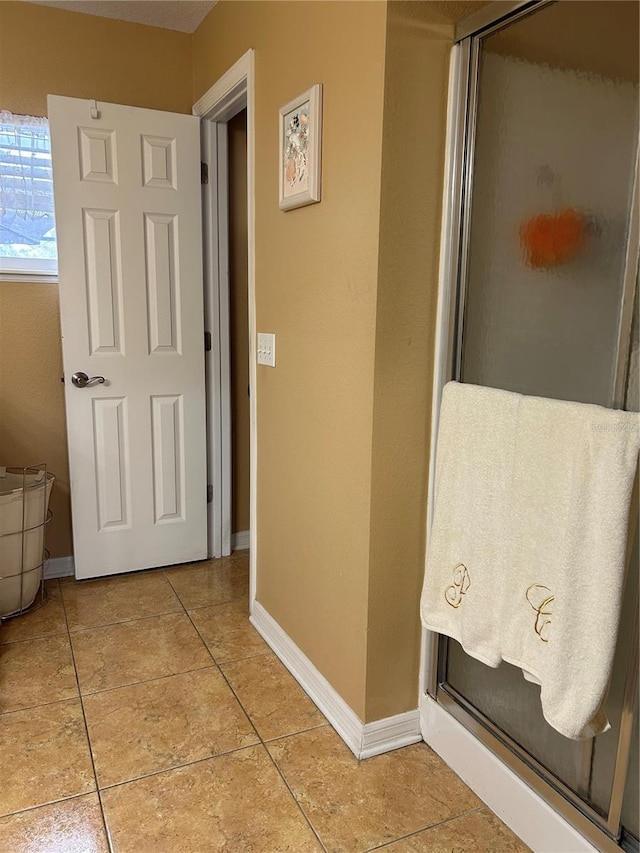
{"x":461,"y":583}
{"x":541,"y":598}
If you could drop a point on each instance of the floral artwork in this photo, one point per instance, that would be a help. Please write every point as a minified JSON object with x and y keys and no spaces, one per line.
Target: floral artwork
{"x":300,"y":142}
{"x":296,"y":151}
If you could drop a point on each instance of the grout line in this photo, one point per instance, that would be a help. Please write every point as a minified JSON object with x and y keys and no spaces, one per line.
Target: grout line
{"x":219,"y":668}
{"x":49,"y":803}
{"x":425,"y":829}
{"x":127,"y":621}
{"x":86,"y":728}
{"x":41,"y":705}
{"x":107,"y":831}
{"x":237,"y":600}
{"x":215,"y":662}
{"x":300,"y":732}
{"x":61,"y":633}
{"x":231,"y":661}
{"x":178,"y":766}
{"x":143,"y":680}
{"x":258,"y":735}
{"x":295,"y":799}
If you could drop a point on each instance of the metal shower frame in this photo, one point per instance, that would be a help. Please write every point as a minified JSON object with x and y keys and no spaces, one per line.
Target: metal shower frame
{"x":602,"y":831}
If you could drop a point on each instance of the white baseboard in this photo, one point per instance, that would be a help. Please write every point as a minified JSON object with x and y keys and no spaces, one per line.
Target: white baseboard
{"x":59,"y":567}
{"x":528,"y":815}
{"x":390,"y":733}
{"x":240,"y":540}
{"x":363,"y":739}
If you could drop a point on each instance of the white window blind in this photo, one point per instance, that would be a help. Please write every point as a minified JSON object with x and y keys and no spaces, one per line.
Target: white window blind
{"x":27,"y":223}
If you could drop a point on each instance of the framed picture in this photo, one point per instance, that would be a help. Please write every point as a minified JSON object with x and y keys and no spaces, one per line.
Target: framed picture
{"x":300,"y":149}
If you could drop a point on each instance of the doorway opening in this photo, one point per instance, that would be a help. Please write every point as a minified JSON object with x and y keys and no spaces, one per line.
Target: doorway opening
{"x":226,"y":113}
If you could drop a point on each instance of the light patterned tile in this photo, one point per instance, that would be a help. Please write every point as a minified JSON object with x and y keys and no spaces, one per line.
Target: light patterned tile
{"x":226,"y":630}
{"x":44,"y":756}
{"x":44,"y":621}
{"x":211,"y":581}
{"x":71,"y":826}
{"x":90,"y":604}
{"x":235,"y":802}
{"x":149,"y":727}
{"x":116,"y":655}
{"x":273,"y":699}
{"x":479,"y":832}
{"x":355,"y":806}
{"x":34,"y":672}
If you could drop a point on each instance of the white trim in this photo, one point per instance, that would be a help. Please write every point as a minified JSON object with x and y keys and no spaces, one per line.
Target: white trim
{"x":213,"y":378}
{"x":215,"y":243}
{"x":220,"y":103}
{"x":524,"y":812}
{"x":364,"y":740}
{"x":34,"y":278}
{"x":225,"y":89}
{"x":390,"y":733}
{"x":59,"y":567}
{"x":28,"y":266}
{"x":241,"y":540}
{"x":440,"y":371}
{"x":222,"y":149}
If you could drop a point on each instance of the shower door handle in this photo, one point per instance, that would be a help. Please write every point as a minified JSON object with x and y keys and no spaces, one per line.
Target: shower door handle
{"x":81,"y":380}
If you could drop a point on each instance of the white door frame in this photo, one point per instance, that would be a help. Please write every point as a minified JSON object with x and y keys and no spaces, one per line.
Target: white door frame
{"x":228,"y":95}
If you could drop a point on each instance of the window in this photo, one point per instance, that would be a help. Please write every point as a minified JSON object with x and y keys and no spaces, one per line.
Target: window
{"x":27,"y":223}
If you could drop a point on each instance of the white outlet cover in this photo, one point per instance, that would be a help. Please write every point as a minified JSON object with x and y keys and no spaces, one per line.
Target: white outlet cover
{"x":267,"y":349}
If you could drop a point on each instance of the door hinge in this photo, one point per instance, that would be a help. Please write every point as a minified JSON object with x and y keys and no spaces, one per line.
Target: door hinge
{"x":207,"y":341}
{"x":204,"y":173}
{"x":209,"y":494}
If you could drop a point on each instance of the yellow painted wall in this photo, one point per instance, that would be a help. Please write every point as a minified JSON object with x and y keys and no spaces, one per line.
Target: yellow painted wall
{"x":349,"y":287}
{"x":419,"y":39}
{"x":32,"y":420}
{"x":316,"y":273}
{"x":51,"y":51}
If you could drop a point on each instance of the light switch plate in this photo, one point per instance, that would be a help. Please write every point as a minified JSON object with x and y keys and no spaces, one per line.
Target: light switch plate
{"x":267,"y":349}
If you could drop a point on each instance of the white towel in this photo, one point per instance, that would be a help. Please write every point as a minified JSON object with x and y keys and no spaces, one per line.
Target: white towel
{"x":526,"y":556}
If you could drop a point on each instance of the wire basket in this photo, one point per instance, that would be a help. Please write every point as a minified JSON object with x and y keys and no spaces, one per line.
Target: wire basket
{"x":24,"y":516}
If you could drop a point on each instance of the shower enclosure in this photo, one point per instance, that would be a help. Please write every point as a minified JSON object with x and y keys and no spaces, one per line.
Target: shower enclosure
{"x":543,"y":243}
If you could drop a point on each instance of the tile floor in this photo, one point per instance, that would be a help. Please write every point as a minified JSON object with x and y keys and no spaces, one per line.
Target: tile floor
{"x":143,"y":713}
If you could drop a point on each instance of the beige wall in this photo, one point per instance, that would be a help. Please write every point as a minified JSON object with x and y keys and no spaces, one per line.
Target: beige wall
{"x":316,"y":272}
{"x":239,"y":322}
{"x":349,"y":288}
{"x":419,"y":39}
{"x":32,"y":421}
{"x":50,"y":51}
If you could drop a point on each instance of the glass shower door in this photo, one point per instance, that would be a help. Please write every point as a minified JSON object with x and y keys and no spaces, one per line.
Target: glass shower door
{"x":546,"y":299}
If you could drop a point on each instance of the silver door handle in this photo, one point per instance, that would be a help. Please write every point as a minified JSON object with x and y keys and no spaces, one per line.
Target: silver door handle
{"x":81,"y":380}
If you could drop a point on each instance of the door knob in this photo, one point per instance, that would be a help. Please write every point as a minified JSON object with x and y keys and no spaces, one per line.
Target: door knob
{"x":81,"y":380}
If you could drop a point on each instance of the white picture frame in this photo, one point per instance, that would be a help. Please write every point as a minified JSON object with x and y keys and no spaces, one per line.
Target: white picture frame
{"x":300,"y":150}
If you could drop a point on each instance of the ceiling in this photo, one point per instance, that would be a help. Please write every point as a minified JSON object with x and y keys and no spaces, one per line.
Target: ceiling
{"x":182,"y":15}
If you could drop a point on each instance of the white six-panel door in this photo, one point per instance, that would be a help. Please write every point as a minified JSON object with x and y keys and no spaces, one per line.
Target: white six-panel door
{"x":128,"y":220}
